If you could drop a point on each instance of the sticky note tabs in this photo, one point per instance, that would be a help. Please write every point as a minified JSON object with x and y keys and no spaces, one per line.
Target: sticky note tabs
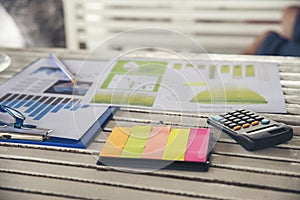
{"x":176,"y":145}
{"x":136,"y":142}
{"x":141,"y":131}
{"x":156,"y":143}
{"x":197,"y":148}
{"x":115,"y":142}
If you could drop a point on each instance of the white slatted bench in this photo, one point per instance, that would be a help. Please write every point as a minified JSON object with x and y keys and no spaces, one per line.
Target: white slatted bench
{"x":221,"y":26}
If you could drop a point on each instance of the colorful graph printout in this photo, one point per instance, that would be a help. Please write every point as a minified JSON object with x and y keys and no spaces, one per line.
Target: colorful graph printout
{"x":202,"y":86}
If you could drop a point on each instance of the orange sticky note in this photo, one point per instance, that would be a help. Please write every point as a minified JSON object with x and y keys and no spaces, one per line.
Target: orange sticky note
{"x":116,"y":142}
{"x":156,"y":143}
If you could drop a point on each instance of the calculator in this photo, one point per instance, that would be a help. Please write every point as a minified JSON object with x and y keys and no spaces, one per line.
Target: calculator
{"x":251,"y":130}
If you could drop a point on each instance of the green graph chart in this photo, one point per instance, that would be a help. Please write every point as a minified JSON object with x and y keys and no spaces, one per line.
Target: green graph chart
{"x":132,"y":83}
{"x":229,"y":94}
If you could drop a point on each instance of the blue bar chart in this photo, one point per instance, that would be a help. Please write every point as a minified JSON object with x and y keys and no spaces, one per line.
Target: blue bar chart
{"x":32,"y":101}
{"x":9,"y":99}
{"x":37,"y":107}
{"x":61,"y":105}
{"x":48,"y":108}
{"x":16,"y":100}
{"x":23,"y":101}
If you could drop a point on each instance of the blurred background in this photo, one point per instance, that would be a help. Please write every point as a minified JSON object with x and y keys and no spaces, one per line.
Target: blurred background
{"x":221,"y":26}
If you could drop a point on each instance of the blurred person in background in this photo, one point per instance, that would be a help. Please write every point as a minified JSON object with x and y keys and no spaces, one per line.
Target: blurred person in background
{"x":285,"y":43}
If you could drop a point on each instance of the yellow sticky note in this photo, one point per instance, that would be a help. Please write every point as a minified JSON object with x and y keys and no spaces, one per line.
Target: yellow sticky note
{"x":176,"y":145}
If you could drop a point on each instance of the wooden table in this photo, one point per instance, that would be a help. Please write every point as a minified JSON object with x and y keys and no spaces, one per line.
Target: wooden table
{"x":36,"y":172}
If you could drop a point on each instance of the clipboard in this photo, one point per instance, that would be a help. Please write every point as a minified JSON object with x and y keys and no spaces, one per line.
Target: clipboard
{"x":83,"y":142}
{"x":56,"y":105}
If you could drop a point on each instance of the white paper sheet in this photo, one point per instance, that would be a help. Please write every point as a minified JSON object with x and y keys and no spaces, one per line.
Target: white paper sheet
{"x":44,"y":95}
{"x":200,"y":86}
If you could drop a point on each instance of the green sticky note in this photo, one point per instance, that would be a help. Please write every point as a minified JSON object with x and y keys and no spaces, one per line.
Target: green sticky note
{"x":141,"y":131}
{"x":176,"y":145}
{"x":136,"y":142}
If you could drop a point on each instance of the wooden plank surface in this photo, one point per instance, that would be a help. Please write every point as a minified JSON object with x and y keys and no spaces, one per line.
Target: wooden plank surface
{"x":37,"y":172}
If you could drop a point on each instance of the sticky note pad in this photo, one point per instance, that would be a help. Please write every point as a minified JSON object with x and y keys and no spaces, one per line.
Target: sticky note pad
{"x":157,"y":147}
{"x":176,"y":145}
{"x":115,"y":142}
{"x":197,"y":148}
{"x":136,"y":142}
{"x":156,"y":143}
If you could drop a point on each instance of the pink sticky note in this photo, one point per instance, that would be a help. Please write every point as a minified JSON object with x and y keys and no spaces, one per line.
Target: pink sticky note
{"x":197,"y":148}
{"x":156,"y":143}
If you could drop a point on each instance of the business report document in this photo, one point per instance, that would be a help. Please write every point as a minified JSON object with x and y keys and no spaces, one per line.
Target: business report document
{"x":170,"y":85}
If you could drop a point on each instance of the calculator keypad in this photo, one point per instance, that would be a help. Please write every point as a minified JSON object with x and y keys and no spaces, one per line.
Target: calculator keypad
{"x":240,"y":119}
{"x":251,"y":130}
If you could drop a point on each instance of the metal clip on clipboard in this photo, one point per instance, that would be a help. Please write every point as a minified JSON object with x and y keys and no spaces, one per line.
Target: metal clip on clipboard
{"x":18,"y":130}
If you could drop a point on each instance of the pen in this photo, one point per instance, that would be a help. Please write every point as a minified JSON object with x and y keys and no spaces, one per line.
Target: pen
{"x":55,"y":60}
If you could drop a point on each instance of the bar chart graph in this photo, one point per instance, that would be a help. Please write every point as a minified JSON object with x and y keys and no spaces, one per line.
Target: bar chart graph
{"x":236,"y":79}
{"x":36,"y":106}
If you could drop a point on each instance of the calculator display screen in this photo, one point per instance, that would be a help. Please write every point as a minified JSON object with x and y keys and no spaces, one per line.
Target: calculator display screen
{"x":262,"y":129}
